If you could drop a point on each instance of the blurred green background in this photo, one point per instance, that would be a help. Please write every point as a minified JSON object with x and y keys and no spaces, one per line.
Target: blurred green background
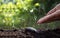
{"x":25,"y":13}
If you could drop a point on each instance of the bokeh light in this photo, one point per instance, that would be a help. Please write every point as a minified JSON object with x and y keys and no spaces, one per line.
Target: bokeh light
{"x":14,"y":13}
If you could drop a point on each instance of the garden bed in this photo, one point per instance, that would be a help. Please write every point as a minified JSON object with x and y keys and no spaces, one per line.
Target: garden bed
{"x":55,"y":33}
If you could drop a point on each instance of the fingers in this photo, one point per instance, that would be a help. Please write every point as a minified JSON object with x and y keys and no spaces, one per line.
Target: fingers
{"x":44,"y":19}
{"x":57,"y":7}
{"x":49,"y":18}
{"x":52,"y":15}
{"x":51,"y":11}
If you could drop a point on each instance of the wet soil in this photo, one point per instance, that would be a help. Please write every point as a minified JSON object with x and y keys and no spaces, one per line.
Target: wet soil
{"x":55,"y":33}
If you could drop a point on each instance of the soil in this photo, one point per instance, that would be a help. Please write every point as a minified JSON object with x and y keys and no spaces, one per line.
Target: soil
{"x":55,"y":33}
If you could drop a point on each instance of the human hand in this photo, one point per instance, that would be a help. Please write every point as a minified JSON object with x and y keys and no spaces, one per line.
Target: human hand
{"x":52,"y":15}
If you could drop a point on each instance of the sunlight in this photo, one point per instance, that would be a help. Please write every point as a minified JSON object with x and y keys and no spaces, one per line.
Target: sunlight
{"x":12,"y":14}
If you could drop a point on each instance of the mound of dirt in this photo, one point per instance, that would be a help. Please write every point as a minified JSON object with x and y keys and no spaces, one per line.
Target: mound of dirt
{"x":55,"y":33}
{"x":15,"y":34}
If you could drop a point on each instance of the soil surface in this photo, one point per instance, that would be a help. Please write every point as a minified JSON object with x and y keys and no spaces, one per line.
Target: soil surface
{"x":55,"y":33}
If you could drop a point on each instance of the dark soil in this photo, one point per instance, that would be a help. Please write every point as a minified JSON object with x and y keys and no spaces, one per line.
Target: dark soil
{"x":55,"y":33}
